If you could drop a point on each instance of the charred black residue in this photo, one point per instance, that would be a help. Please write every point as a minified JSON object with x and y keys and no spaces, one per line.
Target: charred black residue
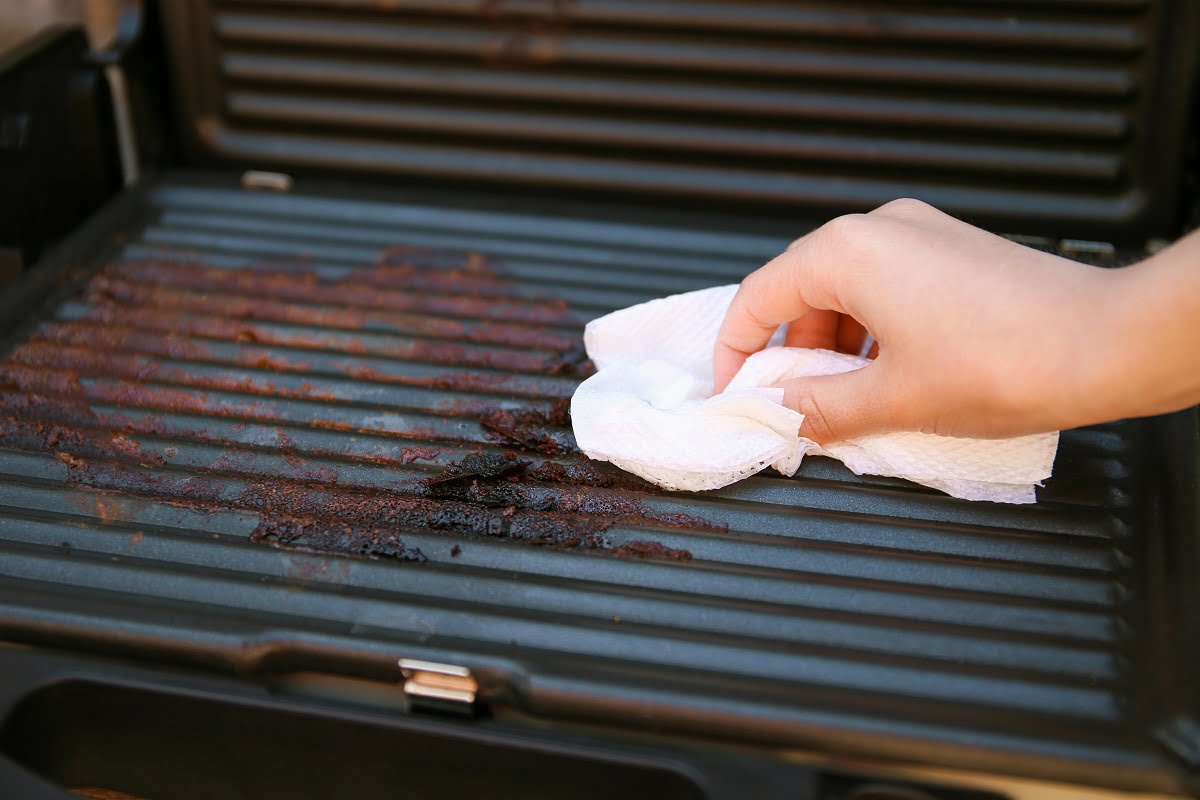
{"x":333,"y":537}
{"x":400,"y":511}
{"x":494,"y":480}
{"x":477,"y":466}
{"x":527,"y":429}
{"x":589,"y":473}
{"x":573,"y":361}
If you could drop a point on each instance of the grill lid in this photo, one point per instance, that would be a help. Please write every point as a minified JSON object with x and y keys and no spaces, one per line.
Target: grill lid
{"x":244,"y":371}
{"x":1056,"y":118}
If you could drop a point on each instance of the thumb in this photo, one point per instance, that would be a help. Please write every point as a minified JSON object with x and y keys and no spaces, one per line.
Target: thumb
{"x":840,"y":407}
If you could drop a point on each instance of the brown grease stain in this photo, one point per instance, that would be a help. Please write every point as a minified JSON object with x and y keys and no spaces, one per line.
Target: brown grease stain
{"x":145,"y":311}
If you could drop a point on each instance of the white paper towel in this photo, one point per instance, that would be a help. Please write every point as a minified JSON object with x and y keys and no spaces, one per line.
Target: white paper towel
{"x":650,"y":410}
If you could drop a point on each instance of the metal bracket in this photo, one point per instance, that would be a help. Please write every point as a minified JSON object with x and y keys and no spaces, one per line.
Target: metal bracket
{"x":439,"y":687}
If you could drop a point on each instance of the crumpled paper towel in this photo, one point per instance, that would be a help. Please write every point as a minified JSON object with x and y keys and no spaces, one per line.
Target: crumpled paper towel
{"x":650,"y":410}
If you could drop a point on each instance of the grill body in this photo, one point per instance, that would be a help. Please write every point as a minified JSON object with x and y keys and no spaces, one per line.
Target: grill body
{"x":194,"y":396}
{"x":296,"y":437}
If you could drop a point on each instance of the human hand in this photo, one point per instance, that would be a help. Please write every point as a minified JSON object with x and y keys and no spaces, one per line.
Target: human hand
{"x":978,"y":336}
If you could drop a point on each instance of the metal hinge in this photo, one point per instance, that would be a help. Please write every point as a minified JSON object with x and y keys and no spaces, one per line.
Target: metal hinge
{"x":439,"y":687}
{"x":1099,"y":253}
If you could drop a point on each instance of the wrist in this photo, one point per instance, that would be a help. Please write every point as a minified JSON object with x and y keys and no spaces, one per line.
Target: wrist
{"x":1145,"y":363}
{"x":1095,"y":316}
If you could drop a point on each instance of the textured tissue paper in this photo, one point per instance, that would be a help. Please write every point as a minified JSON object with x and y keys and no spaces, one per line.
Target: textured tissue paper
{"x":650,"y":410}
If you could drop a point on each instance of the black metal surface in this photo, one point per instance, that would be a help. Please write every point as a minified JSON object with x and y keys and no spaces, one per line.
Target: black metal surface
{"x":836,"y":613}
{"x":1057,"y":118}
{"x":58,"y":158}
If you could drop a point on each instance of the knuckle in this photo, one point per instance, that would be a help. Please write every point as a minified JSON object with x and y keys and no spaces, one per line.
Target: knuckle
{"x":817,"y":424}
{"x":905,"y":207}
{"x":851,"y":247}
{"x":850,"y":231}
{"x":750,"y":291}
{"x":744,"y":313}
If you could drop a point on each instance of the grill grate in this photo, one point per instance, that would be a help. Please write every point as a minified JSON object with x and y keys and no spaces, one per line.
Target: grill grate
{"x":240,"y":371}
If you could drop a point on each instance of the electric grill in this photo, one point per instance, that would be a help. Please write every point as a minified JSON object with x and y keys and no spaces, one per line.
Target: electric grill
{"x":289,"y":507}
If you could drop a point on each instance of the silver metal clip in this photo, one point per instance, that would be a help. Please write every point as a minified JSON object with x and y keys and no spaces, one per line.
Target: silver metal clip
{"x":260,"y":180}
{"x":439,"y":687}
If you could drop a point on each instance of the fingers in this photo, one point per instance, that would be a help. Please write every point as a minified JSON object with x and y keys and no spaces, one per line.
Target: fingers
{"x":841,"y":407}
{"x":818,"y":329}
{"x":760,"y":306}
{"x":787,"y":289}
{"x":850,"y":336}
{"x":728,"y":360}
{"x":827,"y":330}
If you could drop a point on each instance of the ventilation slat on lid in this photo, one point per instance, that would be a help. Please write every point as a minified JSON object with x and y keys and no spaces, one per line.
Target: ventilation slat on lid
{"x":1036,"y":118}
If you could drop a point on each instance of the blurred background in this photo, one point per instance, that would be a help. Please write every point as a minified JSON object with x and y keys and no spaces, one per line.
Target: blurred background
{"x":20,"y":18}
